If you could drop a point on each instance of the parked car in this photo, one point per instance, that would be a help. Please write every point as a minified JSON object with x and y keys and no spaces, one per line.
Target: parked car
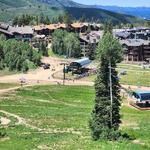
{"x":46,"y":66}
{"x":123,"y":72}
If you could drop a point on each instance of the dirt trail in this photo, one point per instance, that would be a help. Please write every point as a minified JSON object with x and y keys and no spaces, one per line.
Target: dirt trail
{"x":9,"y":89}
{"x":19,"y":119}
{"x":52,"y":100}
{"x":22,"y":121}
{"x":36,"y":75}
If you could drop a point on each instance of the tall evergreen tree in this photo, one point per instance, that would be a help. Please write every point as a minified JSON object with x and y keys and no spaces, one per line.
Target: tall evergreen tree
{"x":105,"y":118}
{"x":67,"y":19}
{"x":43,"y":48}
{"x":42,"y":18}
{"x":108,"y":27}
{"x":47,"y":20}
{"x":15,"y":21}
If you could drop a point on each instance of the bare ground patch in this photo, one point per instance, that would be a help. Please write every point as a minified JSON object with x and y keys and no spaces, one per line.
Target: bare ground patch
{"x":137,"y":141}
{"x":4,"y":121}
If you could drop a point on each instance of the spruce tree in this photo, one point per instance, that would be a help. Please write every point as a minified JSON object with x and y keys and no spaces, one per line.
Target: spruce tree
{"x":43,"y":49}
{"x":102,"y":125}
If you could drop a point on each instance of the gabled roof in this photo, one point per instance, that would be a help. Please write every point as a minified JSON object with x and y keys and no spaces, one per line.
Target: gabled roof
{"x":50,"y":26}
{"x":142,"y":92}
{"x":4,"y":29}
{"x":83,"y":62}
{"x":38,"y":27}
{"x":135,"y":42}
{"x":4,"y":26}
{"x":5,"y":32}
{"x":10,"y":30}
{"x":92,"y":37}
{"x":143,"y":95}
{"x":62,"y":25}
{"x":122,"y":34}
{"x":21,"y":30}
{"x":78,"y":25}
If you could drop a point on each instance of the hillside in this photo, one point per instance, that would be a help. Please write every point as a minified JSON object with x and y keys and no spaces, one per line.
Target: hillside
{"x":51,"y":3}
{"x":48,"y":118}
{"x":62,"y":3}
{"x":9,"y":9}
{"x":52,"y":8}
{"x":143,"y":12}
{"x":102,"y":15}
{"x":14,"y":3}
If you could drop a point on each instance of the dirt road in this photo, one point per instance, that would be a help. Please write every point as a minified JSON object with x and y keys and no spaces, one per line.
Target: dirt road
{"x":41,"y":76}
{"x":37,"y":75}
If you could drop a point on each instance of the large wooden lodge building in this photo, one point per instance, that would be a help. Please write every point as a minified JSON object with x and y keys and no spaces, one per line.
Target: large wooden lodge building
{"x":76,"y":27}
{"x":135,"y":42}
{"x":24,"y":33}
{"x":136,"y":49}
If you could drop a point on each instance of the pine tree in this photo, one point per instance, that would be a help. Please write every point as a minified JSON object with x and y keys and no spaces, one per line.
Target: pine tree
{"x":42,"y":18}
{"x":15,"y":21}
{"x":47,"y":20}
{"x":102,"y":125}
{"x":108,"y":27}
{"x":67,"y":19}
{"x":43,"y":49}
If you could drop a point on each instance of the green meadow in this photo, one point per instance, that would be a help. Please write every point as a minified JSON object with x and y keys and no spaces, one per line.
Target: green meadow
{"x":56,"y":117}
{"x":135,"y":75}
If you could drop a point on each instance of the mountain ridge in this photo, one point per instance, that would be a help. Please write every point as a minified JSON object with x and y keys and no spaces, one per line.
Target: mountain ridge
{"x":143,"y":12}
{"x":10,"y":9}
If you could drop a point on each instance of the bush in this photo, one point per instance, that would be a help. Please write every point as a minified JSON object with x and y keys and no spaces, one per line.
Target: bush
{"x":65,"y":43}
{"x":2,"y":133}
{"x":18,"y":55}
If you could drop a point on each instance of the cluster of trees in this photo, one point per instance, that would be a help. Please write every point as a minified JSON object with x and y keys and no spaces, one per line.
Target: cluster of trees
{"x":67,"y":18}
{"x":145,"y":23}
{"x":42,"y":48}
{"x":18,"y":56}
{"x":105,"y":117}
{"x":63,"y":18}
{"x":27,"y":19}
{"x":66,"y":43}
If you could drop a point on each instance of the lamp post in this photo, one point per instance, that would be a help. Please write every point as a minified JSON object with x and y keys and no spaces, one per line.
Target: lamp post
{"x":111,"y":95}
{"x":64,"y":73}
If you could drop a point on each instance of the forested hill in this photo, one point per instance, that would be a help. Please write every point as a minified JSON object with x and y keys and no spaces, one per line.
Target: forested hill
{"x":13,"y":3}
{"x":62,"y":3}
{"x":102,"y":15}
{"x":52,"y":8}
{"x":11,"y":8}
{"x":143,"y":12}
{"x":51,"y":3}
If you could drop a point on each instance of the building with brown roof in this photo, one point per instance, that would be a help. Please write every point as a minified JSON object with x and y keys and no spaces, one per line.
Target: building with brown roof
{"x":136,"y":49}
{"x":24,"y":33}
{"x":78,"y":27}
{"x":48,"y":29}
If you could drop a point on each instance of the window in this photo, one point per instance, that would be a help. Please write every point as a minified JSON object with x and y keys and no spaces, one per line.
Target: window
{"x":135,"y":95}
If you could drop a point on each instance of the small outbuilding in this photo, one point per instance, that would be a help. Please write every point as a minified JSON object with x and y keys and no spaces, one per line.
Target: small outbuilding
{"x":141,"y":96}
{"x":80,"y":63}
